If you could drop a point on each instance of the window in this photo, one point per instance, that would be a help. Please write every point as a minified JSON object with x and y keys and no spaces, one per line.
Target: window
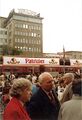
{"x":5,"y":40}
{"x":24,"y":25}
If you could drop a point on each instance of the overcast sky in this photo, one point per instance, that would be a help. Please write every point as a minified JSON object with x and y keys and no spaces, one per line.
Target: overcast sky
{"x":62,"y":23}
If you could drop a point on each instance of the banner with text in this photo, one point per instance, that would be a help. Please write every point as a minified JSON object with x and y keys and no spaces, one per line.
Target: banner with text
{"x":21,"y":60}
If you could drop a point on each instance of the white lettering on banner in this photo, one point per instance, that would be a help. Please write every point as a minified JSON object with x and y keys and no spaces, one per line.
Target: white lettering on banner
{"x":27,"y":60}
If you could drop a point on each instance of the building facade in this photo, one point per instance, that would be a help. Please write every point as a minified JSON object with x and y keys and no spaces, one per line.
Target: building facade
{"x":68,"y":55}
{"x":24,"y":32}
{"x":72,"y":54}
{"x":3,"y":38}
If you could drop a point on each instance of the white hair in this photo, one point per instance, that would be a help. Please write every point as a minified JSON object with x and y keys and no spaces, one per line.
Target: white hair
{"x":19,"y":85}
{"x":69,"y":75}
{"x":43,"y":76}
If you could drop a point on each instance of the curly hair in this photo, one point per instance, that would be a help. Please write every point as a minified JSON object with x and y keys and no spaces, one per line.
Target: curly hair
{"x":18,"y":86}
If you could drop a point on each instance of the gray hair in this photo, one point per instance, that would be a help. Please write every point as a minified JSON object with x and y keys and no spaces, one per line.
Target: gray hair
{"x":43,"y":76}
{"x":18,"y":86}
{"x":69,"y":75}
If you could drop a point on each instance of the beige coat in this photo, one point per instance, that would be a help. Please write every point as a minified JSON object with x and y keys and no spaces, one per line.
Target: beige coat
{"x":67,"y":95}
{"x":72,"y":109}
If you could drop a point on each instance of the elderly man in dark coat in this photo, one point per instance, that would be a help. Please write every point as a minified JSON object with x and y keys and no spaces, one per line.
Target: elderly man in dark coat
{"x":44,"y":104}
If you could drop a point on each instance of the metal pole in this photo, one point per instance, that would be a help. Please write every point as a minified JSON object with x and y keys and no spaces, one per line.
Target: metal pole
{"x":64,"y":64}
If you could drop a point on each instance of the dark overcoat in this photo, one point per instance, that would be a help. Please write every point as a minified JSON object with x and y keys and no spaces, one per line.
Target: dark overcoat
{"x":41,"y":107}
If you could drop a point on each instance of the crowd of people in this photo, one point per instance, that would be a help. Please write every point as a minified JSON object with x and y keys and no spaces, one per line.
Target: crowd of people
{"x":42,"y":97}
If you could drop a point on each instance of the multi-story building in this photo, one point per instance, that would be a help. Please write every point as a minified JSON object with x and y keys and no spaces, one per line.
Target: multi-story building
{"x":68,"y":54}
{"x":3,"y":34}
{"x":51,"y":55}
{"x":3,"y":38}
{"x":24,"y":32}
{"x":2,"y":19}
{"x":72,"y":54}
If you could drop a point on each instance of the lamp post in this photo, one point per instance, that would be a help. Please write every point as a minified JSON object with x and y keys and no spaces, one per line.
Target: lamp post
{"x":64,"y":64}
{"x":64,"y":58}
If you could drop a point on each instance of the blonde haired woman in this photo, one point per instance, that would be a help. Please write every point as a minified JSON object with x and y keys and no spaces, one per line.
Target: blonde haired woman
{"x":20,"y":93}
